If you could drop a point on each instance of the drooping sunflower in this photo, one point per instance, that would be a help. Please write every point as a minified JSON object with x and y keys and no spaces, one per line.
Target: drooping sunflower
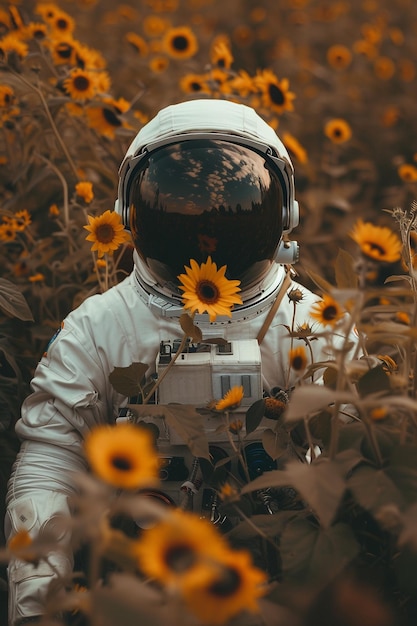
{"x":194,"y":83}
{"x":81,"y":84}
{"x":179,"y":548}
{"x":407,"y":172}
{"x":207,"y":290}
{"x":231,"y":399}
{"x":139,"y":44}
{"x":123,"y":456}
{"x":327,"y":311}
{"x":338,"y":130}
{"x":234,"y":586}
{"x":84,"y":189}
{"x":106,"y":232}
{"x":379,"y":243}
{"x":275,"y":93}
{"x":294,"y":147}
{"x":298,"y":359}
{"x":180,"y":42}
{"x":221,"y":55}
{"x":107,"y":118}
{"x":22,"y":219}
{"x":243,"y":84}
{"x":12,"y":43}
{"x":7,"y":231}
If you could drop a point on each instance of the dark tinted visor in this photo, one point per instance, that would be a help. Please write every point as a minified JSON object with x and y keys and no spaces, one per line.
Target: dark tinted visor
{"x":206,"y":197}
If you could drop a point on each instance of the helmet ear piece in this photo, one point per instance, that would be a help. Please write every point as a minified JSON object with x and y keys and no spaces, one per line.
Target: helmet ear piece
{"x":294,"y":216}
{"x":288,"y":252}
{"x":124,"y":213}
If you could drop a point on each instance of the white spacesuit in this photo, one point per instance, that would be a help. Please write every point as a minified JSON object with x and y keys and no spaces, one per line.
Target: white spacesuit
{"x":204,"y":177}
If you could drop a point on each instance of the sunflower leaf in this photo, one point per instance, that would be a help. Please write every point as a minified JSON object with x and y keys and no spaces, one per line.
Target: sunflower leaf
{"x":346,"y":276}
{"x":12,"y":301}
{"x":190,"y":329}
{"x":323,"y":284}
{"x":127,"y":380}
{"x":254,"y":415}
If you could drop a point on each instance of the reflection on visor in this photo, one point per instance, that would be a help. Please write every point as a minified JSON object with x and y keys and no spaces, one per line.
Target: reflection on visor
{"x":206,"y":197}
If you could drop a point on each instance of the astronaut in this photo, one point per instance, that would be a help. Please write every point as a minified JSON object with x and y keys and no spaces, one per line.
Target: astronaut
{"x":205,"y":177}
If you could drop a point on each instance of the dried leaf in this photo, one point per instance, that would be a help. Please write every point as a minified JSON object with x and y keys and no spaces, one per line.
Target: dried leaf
{"x":345,"y":273}
{"x":184,"y":420}
{"x":12,"y":301}
{"x":275,"y":442}
{"x":190,"y":329}
{"x":127,"y":380}
{"x":308,"y":399}
{"x":254,"y":415}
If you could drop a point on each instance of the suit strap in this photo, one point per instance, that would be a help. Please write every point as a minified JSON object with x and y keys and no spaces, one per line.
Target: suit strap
{"x":274,"y":308}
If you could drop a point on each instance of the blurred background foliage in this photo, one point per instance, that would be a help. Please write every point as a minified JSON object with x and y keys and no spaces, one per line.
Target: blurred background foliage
{"x":336,"y":79}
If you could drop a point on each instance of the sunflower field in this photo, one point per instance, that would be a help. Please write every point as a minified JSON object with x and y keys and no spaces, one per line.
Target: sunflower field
{"x":337,"y":80}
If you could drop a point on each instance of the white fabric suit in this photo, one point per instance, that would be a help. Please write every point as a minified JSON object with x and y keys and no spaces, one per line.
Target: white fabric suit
{"x":71,"y":392}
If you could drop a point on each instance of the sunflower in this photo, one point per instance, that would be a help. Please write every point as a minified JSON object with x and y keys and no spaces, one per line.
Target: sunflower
{"x":298,"y":359}
{"x":21,"y":219}
{"x":12,"y":44}
{"x":7,"y":96}
{"x":207,"y":290}
{"x":35,"y":30}
{"x":407,"y":172}
{"x":158,"y":64}
{"x":379,"y":243}
{"x":106,"y":232}
{"x":327,"y":311}
{"x":62,"y":23}
{"x":63,"y":49}
{"x":220,"y":55}
{"x":81,"y":84}
{"x":179,"y":547}
{"x":84,"y":189}
{"x":21,"y":546}
{"x":139,"y":44}
{"x":194,"y":83}
{"x":154,"y":26}
{"x":7,"y":232}
{"x":106,"y":119}
{"x":339,"y":57}
{"x":275,"y":93}
{"x":231,"y":399}
{"x":123,"y":456}
{"x":235,"y":585}
{"x":294,"y":147}
{"x":243,"y":84}
{"x":384,"y":68}
{"x":338,"y":130}
{"x":180,"y":42}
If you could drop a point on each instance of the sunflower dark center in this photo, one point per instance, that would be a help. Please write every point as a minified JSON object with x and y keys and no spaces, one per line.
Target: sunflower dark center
{"x":64,"y":50}
{"x":180,"y":557}
{"x":298,"y":363}
{"x":111,"y":118}
{"x":195,"y":86}
{"x":62,"y":23}
{"x":121,"y":463}
{"x":81,"y":83}
{"x":105,"y":233}
{"x":276,"y":94}
{"x":329,"y":312}
{"x":180,"y":43}
{"x":227,"y":585}
{"x":207,"y":291}
{"x":374,"y":247}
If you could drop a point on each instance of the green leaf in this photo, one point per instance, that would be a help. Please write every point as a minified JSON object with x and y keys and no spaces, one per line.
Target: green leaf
{"x":185,"y":421}
{"x":12,"y":301}
{"x":254,"y":415}
{"x":127,"y":380}
{"x":345,"y":273}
